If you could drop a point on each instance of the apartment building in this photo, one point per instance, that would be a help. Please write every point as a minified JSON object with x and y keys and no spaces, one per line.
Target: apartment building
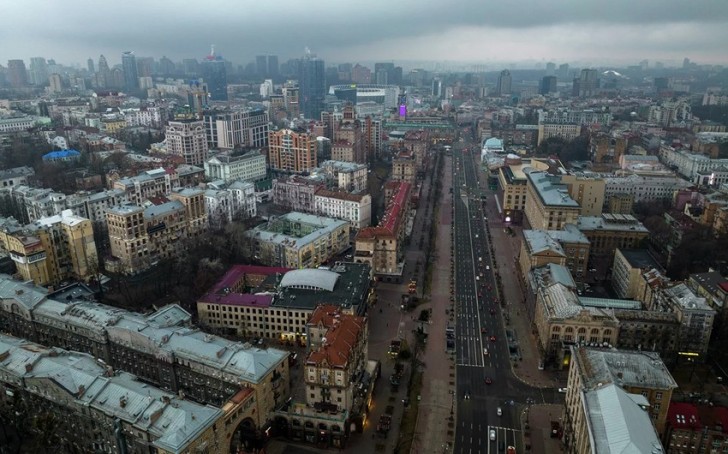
{"x":404,"y":167}
{"x":147,"y":184}
{"x":644,"y":188}
{"x":101,"y":411}
{"x":160,"y":348}
{"x":276,"y":302}
{"x":296,"y":193}
{"x":52,"y":249}
{"x":35,"y":203}
{"x":349,"y":176}
{"x":613,"y":391}
{"x":249,"y":166}
{"x":353,"y":208}
{"x":298,"y":240}
{"x":548,"y":203}
{"x":713,"y":287}
{"x":382,"y":246}
{"x":226,"y":202}
{"x":187,"y":138}
{"x":513,"y":184}
{"x":16,"y":176}
{"x":648,"y":331}
{"x":566,"y":131}
{"x":568,"y":247}
{"x":243,"y":128}
{"x":608,"y":232}
{"x":620,"y":203}
{"x":627,"y":270}
{"x":588,"y":191}
{"x":696,"y":319}
{"x":694,"y":429}
{"x":291,"y":151}
{"x":139,"y":237}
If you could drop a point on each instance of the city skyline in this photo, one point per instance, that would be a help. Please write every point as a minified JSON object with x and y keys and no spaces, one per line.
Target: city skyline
{"x":469,"y":31}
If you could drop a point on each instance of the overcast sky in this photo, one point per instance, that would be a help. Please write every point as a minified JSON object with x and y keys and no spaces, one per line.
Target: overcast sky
{"x":481,"y":31}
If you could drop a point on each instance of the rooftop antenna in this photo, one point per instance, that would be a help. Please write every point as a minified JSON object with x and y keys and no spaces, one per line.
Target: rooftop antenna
{"x":307,"y":51}
{"x":212,"y":50}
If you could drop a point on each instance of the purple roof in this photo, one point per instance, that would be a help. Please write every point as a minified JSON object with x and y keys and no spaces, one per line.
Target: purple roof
{"x":239,"y":299}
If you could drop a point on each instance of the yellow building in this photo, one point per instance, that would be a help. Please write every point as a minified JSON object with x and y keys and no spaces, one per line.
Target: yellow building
{"x":621,"y":203}
{"x":52,"y":249}
{"x":568,"y":247}
{"x":548,"y":203}
{"x":638,"y":373}
{"x":514,"y":184}
{"x":587,"y":191}
{"x":608,"y":232}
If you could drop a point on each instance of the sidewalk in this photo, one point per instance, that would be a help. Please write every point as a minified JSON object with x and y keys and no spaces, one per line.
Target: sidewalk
{"x":537,"y":430}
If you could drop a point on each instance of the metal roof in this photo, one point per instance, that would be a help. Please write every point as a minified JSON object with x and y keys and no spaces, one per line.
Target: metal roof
{"x":310,"y":279}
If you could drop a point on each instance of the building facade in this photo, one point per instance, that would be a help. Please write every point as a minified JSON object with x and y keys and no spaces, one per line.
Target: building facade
{"x":354,"y":208}
{"x":548,"y":203}
{"x":250,"y":166}
{"x":187,"y":138}
{"x":290,"y":151}
{"x":236,"y":129}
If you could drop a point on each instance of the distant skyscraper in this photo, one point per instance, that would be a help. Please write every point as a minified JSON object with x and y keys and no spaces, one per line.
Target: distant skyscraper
{"x":588,"y":83}
{"x":436,"y":88}
{"x":131,"y":73}
{"x":504,"y":83}
{"x":17,"y":76}
{"x":166,"y":66}
{"x":361,"y":74}
{"x":387,"y":74}
{"x":103,"y":65}
{"x":187,"y":138}
{"x":550,"y":69}
{"x":261,"y":65}
{"x":548,"y":85}
{"x":56,"y":86}
{"x":103,"y":76}
{"x":190,"y":66}
{"x":563,"y":72}
{"x":214,"y":74}
{"x":38,"y":73}
{"x":273,"y":70}
{"x":90,"y":65}
{"x":312,"y":85}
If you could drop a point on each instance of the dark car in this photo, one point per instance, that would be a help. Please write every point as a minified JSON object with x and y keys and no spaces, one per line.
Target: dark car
{"x":492,"y":338}
{"x":488,"y":381}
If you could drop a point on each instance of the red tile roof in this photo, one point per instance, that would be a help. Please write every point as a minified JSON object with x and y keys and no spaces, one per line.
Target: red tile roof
{"x":393,"y":217}
{"x":344,"y":331}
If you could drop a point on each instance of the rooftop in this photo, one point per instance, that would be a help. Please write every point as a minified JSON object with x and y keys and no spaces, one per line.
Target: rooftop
{"x":639,"y":258}
{"x":618,"y":423}
{"x":343,"y":333}
{"x":682,"y":295}
{"x":570,"y":234}
{"x":611,"y":222}
{"x":539,"y":241}
{"x":638,"y":369}
{"x":310,"y":279}
{"x":550,"y":190}
{"x":296,"y":229}
{"x":712,"y":281}
{"x":229,"y":290}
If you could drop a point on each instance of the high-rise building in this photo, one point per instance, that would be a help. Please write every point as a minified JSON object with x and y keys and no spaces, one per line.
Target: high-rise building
{"x":361,"y":74}
{"x":261,"y":66}
{"x":273,"y":71}
{"x":312,"y":85}
{"x":190,"y":66}
{"x":436,"y":88}
{"x":504,"y":83}
{"x":56,"y":84}
{"x":563,"y":71}
{"x":550,"y":69}
{"x":291,"y":151}
{"x":187,"y":138}
{"x":38,"y":74}
{"x":90,"y":65}
{"x":387,"y":74}
{"x":548,"y":85}
{"x":587,"y":84}
{"x":215,"y":75}
{"x":131,"y":73}
{"x":237,"y":128}
{"x":145,"y":66}
{"x":17,"y":76}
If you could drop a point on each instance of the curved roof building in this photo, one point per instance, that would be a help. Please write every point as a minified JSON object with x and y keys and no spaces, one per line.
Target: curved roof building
{"x":310,"y":279}
{"x":380,"y":94}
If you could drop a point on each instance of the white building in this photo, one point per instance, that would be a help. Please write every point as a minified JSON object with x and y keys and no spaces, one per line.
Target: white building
{"x":187,"y":138}
{"x":225,"y":203}
{"x":354,"y":208}
{"x":689,"y":164}
{"x":150,"y":116}
{"x":644,"y":188}
{"x":247,"y":167}
{"x":238,"y":128}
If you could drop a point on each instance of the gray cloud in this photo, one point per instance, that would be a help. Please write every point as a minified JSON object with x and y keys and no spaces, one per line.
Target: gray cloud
{"x":76,"y":29}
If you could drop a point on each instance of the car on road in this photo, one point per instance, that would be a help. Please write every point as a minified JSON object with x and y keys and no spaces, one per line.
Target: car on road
{"x":483,"y":330}
{"x":511,"y":450}
{"x":487,"y":267}
{"x":466,"y":396}
{"x":488,"y":381}
{"x":485,"y":352}
{"x":499,"y":412}
{"x":492,"y":338}
{"x":492,"y":434}
{"x":563,"y":390}
{"x":492,"y":311}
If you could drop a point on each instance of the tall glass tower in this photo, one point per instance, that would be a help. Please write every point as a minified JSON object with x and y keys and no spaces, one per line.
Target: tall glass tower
{"x":131,"y":73}
{"x":312,"y":86}
{"x":214,"y":74}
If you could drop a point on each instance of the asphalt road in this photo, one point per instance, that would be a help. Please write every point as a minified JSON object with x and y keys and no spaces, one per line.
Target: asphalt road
{"x":482,"y":352}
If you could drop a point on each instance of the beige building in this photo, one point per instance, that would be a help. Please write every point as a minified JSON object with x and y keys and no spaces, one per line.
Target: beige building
{"x":291,"y":151}
{"x":567,"y":247}
{"x":628,"y":269}
{"x":348,"y":176}
{"x":187,"y":138}
{"x":566,"y":131}
{"x":147,"y":184}
{"x":621,"y":203}
{"x":548,"y":203}
{"x":382,"y":246}
{"x":608,"y":232}
{"x":513,"y":182}
{"x":404,"y":167}
{"x":354,"y":208}
{"x":587,"y":191}
{"x":337,"y":353}
{"x":298,"y":240}
{"x":640,"y":374}
{"x":52,"y":249}
{"x":561,"y":321}
{"x":140,"y":237}
{"x":696,"y":319}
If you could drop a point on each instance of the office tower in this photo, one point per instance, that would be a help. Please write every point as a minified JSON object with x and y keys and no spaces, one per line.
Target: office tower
{"x":215,"y":76}
{"x":166,"y":66}
{"x":273,"y":71}
{"x":145,"y":66}
{"x":56,"y":85}
{"x":187,"y":138}
{"x":261,"y":66}
{"x":17,"y":76}
{"x":588,"y":83}
{"x":103,"y":75}
{"x":436,"y":88}
{"x":131,"y":73}
{"x":90,"y":65}
{"x":312,"y":86}
{"x":38,"y":73}
{"x":103,"y":65}
{"x":361,"y":74}
{"x":563,"y":72}
{"x":387,"y":74}
{"x":504,"y":83}
{"x":190,"y":66}
{"x":381,"y":77}
{"x":116,"y":78}
{"x":550,"y":69}
{"x":548,"y":85}
{"x":291,"y":151}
